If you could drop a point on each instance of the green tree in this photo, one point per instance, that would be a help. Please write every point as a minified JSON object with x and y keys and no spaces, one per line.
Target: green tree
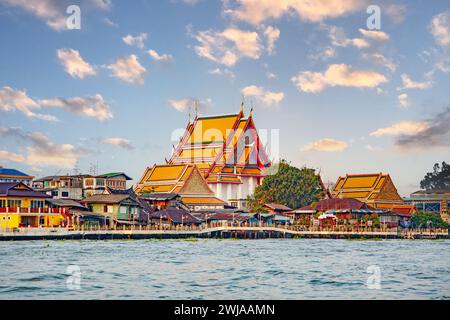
{"x":439,"y":179}
{"x":290,"y":186}
{"x":423,"y":219}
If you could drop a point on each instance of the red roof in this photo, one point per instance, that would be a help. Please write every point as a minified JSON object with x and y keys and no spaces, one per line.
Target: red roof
{"x":337,"y":204}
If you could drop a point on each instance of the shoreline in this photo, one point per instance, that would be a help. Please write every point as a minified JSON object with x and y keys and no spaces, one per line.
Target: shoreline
{"x":215,"y":233}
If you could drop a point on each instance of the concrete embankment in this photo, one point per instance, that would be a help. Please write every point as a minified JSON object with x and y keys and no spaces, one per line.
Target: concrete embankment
{"x":218,"y":232}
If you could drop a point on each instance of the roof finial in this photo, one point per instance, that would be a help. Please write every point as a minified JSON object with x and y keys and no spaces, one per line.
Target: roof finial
{"x":242,"y":104}
{"x":196,"y":107}
{"x":251,"y":109}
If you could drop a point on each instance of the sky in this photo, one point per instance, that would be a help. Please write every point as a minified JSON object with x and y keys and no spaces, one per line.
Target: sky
{"x":350,"y":90}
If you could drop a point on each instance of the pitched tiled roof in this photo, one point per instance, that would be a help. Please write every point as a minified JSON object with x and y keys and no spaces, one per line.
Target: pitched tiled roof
{"x":18,"y":189}
{"x":337,"y":204}
{"x":115,"y":174}
{"x":13,"y":172}
{"x":277,"y":206}
{"x":107,"y":198}
{"x":176,"y":215}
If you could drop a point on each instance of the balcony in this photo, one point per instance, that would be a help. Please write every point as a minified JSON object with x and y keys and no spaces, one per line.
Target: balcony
{"x":33,"y":210}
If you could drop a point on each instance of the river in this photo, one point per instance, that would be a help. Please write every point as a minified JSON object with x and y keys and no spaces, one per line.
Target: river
{"x":226,"y":269}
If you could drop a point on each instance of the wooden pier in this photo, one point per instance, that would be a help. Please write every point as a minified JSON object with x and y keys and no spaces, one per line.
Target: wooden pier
{"x":218,"y":232}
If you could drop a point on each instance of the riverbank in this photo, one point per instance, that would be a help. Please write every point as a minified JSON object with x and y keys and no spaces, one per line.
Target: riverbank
{"x":223,"y":232}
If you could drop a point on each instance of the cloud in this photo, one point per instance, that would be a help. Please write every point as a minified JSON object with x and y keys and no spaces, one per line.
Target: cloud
{"x":95,"y":107}
{"x":137,"y":41}
{"x":128,"y":69}
{"x":337,"y":75}
{"x":188,"y":104}
{"x":11,"y":156}
{"x":327,"y":144}
{"x":379,"y":59}
{"x":42,"y":152}
{"x":374,"y":35}
{"x":74,"y":64}
{"x":11,"y":100}
{"x":258,"y":11}
{"x":269,"y":98}
{"x":120,"y":142}
{"x":160,"y":57}
{"x":396,"y":12}
{"x":272,"y":34}
{"x":222,"y":72}
{"x":440,"y":28}
{"x":408,"y":83}
{"x":403,"y":100}
{"x":228,"y":46}
{"x":338,"y":38}
{"x":402,"y":128}
{"x":436,"y":134}
{"x":53,"y":12}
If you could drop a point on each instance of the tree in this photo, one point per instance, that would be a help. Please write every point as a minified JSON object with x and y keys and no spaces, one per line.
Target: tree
{"x":290,"y":186}
{"x":439,"y":179}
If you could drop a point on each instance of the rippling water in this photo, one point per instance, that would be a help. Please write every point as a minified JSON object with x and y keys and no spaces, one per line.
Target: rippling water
{"x":225,"y":269}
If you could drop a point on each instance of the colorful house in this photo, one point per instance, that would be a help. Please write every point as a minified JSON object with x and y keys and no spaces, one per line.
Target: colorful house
{"x":115,"y":180}
{"x":118,"y":209}
{"x":228,"y":153}
{"x":183,"y":179}
{"x":437,"y":201}
{"x":376,"y":190}
{"x":13,"y":175}
{"x":21,"y":206}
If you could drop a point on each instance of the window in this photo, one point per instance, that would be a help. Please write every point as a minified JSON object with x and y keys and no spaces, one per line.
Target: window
{"x":2,"y":203}
{"x":123,"y":210}
{"x":55,"y":193}
{"x":65,"y":194}
{"x":37,"y":204}
{"x":14,"y":203}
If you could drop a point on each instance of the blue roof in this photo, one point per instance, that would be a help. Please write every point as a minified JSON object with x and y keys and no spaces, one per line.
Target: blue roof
{"x":12,"y":172}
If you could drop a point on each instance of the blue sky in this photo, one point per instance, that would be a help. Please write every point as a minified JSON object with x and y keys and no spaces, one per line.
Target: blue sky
{"x":346,"y":98}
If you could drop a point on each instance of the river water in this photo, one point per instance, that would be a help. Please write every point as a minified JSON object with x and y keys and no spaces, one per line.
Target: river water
{"x":226,"y":269}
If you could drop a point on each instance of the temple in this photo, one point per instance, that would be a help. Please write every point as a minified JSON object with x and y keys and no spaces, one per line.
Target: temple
{"x":376,"y":189}
{"x":227,"y":152}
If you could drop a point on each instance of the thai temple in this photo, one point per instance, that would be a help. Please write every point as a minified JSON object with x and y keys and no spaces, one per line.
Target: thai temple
{"x":227,"y":152}
{"x":376,"y":190}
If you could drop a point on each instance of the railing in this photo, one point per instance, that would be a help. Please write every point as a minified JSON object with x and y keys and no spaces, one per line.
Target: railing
{"x":33,"y":210}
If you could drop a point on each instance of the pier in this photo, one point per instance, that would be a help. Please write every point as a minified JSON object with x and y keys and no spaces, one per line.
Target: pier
{"x":217,"y":232}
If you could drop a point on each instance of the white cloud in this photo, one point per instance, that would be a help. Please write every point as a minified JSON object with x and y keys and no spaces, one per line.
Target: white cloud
{"x":338,"y":38}
{"x":408,"y":83}
{"x":128,"y":69}
{"x":380,"y":59}
{"x":11,"y":156}
{"x":228,"y":46}
{"x":440,"y":28}
{"x":396,"y":12}
{"x":188,"y":104}
{"x":160,"y":57}
{"x":327,"y":144}
{"x":53,"y":12}
{"x":269,"y":98}
{"x":95,"y":107}
{"x":137,"y":41}
{"x":272,"y":34}
{"x":222,"y":72}
{"x":403,"y":100}
{"x":42,"y":152}
{"x":74,"y":64}
{"x":402,"y":128}
{"x":337,"y":75}
{"x":374,"y":35}
{"x":119,"y":142}
{"x":11,"y":100}
{"x":257,"y":11}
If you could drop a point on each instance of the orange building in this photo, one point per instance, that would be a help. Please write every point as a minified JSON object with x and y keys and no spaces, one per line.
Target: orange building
{"x":228,"y":153}
{"x":183,"y":179}
{"x":376,"y":189}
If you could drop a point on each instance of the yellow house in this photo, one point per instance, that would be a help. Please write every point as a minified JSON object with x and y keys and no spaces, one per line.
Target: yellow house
{"x":21,"y":206}
{"x":376,"y":189}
